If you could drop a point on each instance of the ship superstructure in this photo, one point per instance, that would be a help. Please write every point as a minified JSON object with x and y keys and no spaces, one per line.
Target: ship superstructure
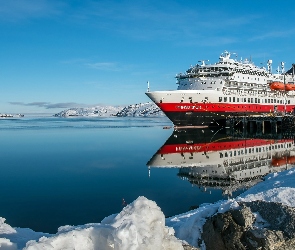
{"x":208,"y":93}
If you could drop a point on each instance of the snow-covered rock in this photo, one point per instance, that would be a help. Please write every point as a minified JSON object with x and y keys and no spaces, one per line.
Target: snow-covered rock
{"x":148,"y":109}
{"x":277,"y":187}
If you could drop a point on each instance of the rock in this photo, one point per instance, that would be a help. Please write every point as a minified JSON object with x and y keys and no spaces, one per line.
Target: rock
{"x":238,"y":228}
{"x":243,"y":217}
{"x":262,"y":239}
{"x":280,"y":217}
{"x":225,"y":232}
{"x":289,"y":245}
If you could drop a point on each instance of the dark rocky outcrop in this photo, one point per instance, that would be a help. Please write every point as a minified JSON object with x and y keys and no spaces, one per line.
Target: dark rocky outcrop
{"x":279,"y":217}
{"x":254,"y":225}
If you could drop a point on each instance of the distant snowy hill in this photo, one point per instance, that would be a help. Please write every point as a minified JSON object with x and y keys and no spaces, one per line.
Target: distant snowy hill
{"x":148,"y":109}
{"x":141,"y":109}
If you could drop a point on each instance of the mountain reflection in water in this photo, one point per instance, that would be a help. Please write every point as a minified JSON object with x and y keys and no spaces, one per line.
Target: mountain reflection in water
{"x":225,"y":158}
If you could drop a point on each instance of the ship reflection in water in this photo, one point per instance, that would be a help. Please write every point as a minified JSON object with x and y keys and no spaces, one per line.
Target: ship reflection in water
{"x":225,"y":158}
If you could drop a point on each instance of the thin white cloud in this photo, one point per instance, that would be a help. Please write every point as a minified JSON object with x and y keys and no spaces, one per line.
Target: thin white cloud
{"x":106,"y":66}
{"x":102,"y":66}
{"x":74,"y":61}
{"x":49,"y":105}
{"x":274,"y":34}
{"x":110,"y":66}
{"x":14,"y":10}
{"x":141,"y":20}
{"x":147,"y":21}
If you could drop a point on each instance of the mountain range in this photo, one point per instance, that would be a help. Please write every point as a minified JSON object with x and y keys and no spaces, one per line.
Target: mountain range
{"x":148,"y":109}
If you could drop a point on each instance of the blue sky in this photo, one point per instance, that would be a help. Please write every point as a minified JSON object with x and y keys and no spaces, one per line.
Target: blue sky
{"x":59,"y":54}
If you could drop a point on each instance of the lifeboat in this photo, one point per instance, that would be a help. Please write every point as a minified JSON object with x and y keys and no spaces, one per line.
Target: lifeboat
{"x":289,"y":87}
{"x":276,"y":162}
{"x":277,"y":86}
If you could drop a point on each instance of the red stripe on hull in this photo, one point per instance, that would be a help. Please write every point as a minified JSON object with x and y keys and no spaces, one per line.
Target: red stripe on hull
{"x":224,"y":107}
{"x":215,"y":146}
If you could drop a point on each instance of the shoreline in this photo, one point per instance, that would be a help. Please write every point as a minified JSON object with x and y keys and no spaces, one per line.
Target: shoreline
{"x":184,"y":229}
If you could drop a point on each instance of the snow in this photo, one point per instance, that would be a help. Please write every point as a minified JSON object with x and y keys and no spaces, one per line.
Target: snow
{"x":100,"y":111}
{"x":142,"y":109}
{"x":16,"y":238}
{"x":259,"y":221}
{"x":148,"y":109}
{"x":277,"y":187}
{"x":189,"y":226}
{"x":142,"y":225}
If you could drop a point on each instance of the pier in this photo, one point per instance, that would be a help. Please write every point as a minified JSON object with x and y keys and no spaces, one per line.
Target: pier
{"x":283,"y":125}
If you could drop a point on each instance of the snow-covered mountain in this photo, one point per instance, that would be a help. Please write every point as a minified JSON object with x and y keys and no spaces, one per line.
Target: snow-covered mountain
{"x":141,"y":109}
{"x":148,"y":109}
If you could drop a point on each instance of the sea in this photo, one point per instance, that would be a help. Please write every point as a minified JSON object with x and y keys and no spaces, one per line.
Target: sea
{"x":72,"y":171}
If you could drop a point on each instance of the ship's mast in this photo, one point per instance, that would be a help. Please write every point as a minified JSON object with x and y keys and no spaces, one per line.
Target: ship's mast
{"x":203,"y":62}
{"x":282,"y":67}
{"x":269,"y":63}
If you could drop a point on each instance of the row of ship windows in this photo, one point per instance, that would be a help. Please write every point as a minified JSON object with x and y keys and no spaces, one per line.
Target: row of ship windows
{"x":222,"y":69}
{"x":251,"y":100}
{"x":214,"y":171}
{"x":210,"y":82}
{"x":213,"y":75}
{"x":235,"y":77}
{"x":251,"y":72}
{"x":252,"y":78}
{"x":203,"y":74}
{"x":250,"y":173}
{"x":185,"y":84}
{"x":251,"y":150}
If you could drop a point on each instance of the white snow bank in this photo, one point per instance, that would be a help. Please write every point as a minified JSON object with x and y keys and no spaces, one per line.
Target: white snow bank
{"x":140,"y":225}
{"x":277,"y":187}
{"x":6,"y":244}
{"x":84,"y":237}
{"x":16,"y":238}
{"x":5,"y":228}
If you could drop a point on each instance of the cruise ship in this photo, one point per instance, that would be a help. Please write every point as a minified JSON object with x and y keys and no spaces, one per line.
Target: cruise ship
{"x":209,"y":93}
{"x":213,"y":158}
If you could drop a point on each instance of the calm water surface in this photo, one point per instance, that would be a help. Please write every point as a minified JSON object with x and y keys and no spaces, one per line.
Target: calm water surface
{"x":57,"y":171}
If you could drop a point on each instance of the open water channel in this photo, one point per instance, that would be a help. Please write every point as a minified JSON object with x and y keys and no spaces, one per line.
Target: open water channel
{"x":56,"y":171}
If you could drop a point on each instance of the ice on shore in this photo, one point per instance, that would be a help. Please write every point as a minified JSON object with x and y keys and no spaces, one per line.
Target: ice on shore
{"x":277,"y":187}
{"x":142,"y":225}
